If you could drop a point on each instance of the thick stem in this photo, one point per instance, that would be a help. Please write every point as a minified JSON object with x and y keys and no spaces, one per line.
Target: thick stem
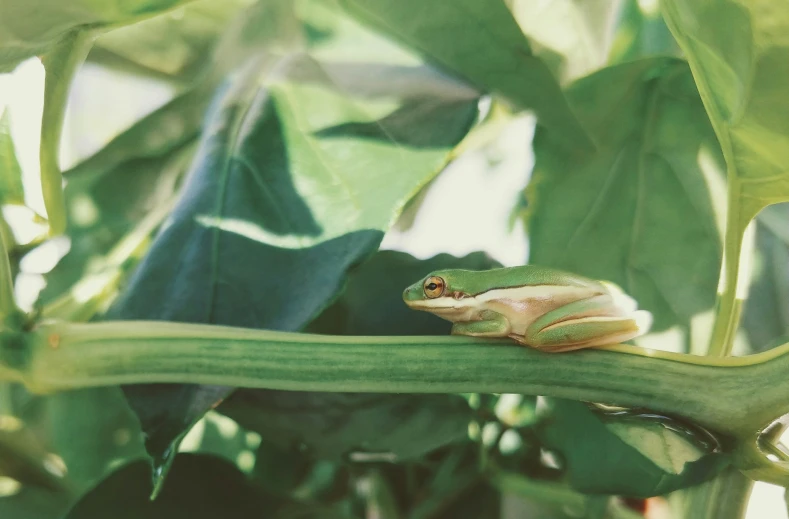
{"x":63,"y":356}
{"x":60,"y":64}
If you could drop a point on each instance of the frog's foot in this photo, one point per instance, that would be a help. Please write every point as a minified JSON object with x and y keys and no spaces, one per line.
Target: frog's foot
{"x":585,"y":324}
{"x":492,"y":325}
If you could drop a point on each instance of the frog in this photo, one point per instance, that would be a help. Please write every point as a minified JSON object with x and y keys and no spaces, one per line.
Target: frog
{"x":544,"y":308}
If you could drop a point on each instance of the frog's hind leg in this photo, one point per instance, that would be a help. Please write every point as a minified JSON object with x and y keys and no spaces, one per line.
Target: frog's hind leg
{"x":493,"y":324}
{"x":585,"y":324}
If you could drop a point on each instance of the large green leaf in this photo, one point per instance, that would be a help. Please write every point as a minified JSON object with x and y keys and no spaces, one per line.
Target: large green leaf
{"x":284,"y":196}
{"x":632,"y":210}
{"x":30,"y":28}
{"x":631,"y":455}
{"x":138,"y":171}
{"x":11,"y":189}
{"x":482,"y":42}
{"x":738,"y":51}
{"x":199,"y":487}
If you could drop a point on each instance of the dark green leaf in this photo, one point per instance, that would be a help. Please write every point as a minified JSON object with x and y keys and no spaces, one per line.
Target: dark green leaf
{"x":198,"y":487}
{"x":274,"y":213}
{"x":482,"y":42}
{"x":11,"y":189}
{"x":359,"y":426}
{"x":280,"y":469}
{"x":765,"y":317}
{"x":632,"y":210}
{"x":332,"y":424}
{"x":31,"y":28}
{"x":372,"y":303}
{"x":634,"y":456}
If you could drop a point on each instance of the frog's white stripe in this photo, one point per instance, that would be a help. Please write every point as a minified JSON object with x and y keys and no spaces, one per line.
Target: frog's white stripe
{"x":529,"y":292}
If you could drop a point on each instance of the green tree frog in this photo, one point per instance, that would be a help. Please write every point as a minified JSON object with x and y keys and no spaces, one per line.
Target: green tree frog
{"x":539,"y":307}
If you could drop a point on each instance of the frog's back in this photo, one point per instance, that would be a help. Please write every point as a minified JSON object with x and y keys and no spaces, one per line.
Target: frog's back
{"x":527,"y":275}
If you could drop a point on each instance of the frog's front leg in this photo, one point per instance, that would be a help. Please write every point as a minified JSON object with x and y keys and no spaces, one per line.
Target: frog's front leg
{"x":583,"y":324}
{"x":493,"y":324}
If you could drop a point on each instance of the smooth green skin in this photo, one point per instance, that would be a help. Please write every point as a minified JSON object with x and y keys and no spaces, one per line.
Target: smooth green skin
{"x":543,"y":318}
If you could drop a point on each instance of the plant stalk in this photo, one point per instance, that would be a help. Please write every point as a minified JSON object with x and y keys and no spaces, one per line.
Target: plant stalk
{"x":62,"y":356}
{"x":60,"y":64}
{"x":729,"y":309}
{"x":7,"y":302}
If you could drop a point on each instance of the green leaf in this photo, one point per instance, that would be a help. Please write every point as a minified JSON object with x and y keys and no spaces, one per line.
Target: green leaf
{"x":139,"y":170}
{"x":332,"y":425}
{"x":632,"y":210}
{"x":482,"y":42}
{"x":91,"y":430}
{"x":11,"y":189}
{"x":105,"y":200}
{"x":31,"y":28}
{"x":35,"y":503}
{"x":24,"y":459}
{"x":281,"y":197}
{"x":361,"y":426}
{"x":634,"y":456}
{"x":738,"y":50}
{"x":372,"y":302}
{"x":85,"y":432}
{"x":173,"y":44}
{"x":765,"y":317}
{"x":198,"y":487}
{"x":641,"y":33}
{"x":576,"y":31}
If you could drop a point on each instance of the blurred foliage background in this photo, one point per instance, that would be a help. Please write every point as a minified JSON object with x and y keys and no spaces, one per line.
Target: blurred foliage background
{"x":362,"y":151}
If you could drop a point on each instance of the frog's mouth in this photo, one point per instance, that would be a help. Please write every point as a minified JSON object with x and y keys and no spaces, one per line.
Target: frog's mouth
{"x":444,"y":306}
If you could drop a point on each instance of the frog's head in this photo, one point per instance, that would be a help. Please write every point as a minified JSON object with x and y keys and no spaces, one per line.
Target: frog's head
{"x":441,"y":292}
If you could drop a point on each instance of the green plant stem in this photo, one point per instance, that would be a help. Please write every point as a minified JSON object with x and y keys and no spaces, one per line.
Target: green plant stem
{"x":60,"y":65}
{"x":7,"y":302}
{"x":727,"y":316}
{"x":63,"y":356}
{"x":725,"y":497}
{"x":546,"y":492}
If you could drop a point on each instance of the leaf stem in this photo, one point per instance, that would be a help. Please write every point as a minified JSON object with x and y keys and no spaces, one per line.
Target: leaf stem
{"x":725,"y":497}
{"x":62,"y":356}
{"x":7,"y":302}
{"x":729,"y":308}
{"x":60,"y":65}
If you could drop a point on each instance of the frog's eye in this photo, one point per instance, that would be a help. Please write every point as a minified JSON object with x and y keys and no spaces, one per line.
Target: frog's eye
{"x":434,"y":287}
